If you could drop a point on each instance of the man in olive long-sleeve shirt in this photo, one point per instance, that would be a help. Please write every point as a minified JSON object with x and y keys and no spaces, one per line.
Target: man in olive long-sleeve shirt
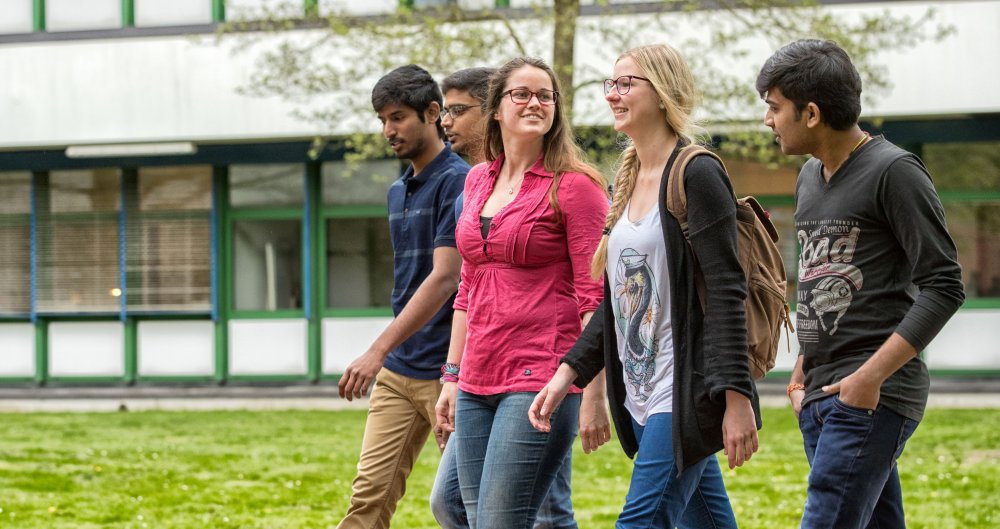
{"x":878,"y":279}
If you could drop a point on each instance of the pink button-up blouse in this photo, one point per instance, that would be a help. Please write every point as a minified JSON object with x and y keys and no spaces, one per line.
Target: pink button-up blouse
{"x":526,"y":286}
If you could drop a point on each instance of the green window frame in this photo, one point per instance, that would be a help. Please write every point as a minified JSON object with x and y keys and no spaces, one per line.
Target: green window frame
{"x":238,"y":214}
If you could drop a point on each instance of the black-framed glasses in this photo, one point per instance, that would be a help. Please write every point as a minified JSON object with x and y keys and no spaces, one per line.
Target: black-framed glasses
{"x":456,"y":110}
{"x":521,"y":96}
{"x":623,"y":84}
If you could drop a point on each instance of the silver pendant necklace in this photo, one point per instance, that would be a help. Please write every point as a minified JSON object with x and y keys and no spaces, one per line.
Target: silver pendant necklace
{"x":511,"y":184}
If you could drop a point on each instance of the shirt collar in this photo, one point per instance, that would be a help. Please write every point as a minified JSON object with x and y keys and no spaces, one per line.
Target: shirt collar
{"x":430,"y":168}
{"x":537,"y":169}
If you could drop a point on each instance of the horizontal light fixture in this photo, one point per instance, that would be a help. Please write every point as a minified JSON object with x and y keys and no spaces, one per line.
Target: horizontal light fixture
{"x":121,"y":150}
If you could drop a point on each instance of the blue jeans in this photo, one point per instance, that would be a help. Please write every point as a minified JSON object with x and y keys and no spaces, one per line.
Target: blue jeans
{"x":659,"y":497}
{"x":556,"y":511}
{"x":852,"y":452}
{"x":505,"y":466}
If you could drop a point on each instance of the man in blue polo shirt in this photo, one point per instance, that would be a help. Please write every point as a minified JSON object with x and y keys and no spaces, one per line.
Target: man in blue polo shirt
{"x":405,"y":360}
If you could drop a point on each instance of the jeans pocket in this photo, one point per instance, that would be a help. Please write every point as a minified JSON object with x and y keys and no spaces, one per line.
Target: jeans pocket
{"x":852,"y":410}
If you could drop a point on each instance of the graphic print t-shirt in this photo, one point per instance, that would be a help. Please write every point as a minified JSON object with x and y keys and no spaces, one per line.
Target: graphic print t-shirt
{"x":640,"y":291}
{"x":856,"y":278}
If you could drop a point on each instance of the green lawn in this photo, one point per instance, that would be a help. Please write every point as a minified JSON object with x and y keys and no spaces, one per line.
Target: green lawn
{"x":293,"y":469}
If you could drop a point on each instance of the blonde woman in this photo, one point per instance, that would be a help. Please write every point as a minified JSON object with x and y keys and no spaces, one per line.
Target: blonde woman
{"x":678,"y":377}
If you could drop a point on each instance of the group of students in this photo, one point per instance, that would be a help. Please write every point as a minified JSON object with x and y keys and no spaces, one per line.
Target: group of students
{"x":525,"y":296}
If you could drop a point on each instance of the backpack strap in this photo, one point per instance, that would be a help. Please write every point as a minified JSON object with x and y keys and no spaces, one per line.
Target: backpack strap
{"x":676,"y":194}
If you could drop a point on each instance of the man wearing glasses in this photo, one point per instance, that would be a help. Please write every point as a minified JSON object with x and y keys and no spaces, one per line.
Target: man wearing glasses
{"x":406,"y":358}
{"x":464,"y":97}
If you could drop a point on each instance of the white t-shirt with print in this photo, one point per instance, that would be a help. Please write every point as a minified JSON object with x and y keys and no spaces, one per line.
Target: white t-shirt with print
{"x":640,"y":298}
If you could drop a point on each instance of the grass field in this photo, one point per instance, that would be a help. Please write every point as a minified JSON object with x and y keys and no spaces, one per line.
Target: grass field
{"x":293,"y":469}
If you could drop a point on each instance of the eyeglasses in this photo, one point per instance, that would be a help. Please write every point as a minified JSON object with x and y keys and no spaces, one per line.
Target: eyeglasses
{"x":521,"y":96}
{"x":623,"y":84}
{"x":456,"y":110}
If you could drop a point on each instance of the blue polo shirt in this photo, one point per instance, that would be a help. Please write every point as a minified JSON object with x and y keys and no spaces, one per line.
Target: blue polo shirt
{"x":422,"y":218}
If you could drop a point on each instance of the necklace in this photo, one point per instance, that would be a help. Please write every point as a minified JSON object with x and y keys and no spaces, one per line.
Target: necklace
{"x":511,"y":184}
{"x":860,"y":142}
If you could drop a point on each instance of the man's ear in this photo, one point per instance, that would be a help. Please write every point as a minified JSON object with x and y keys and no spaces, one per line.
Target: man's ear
{"x":813,"y":115}
{"x":433,"y":112}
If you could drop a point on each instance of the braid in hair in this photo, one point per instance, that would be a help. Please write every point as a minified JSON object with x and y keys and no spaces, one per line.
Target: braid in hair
{"x":624,"y":184}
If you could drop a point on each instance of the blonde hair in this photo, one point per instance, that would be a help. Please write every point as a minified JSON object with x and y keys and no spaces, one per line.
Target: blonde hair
{"x":673,"y":83}
{"x":561,"y":152}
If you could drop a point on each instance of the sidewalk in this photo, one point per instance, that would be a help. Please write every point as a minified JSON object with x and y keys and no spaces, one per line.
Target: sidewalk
{"x":945,"y":393}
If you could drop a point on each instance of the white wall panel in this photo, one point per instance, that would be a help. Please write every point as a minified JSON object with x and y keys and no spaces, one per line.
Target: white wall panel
{"x":344,"y":339}
{"x":16,"y":16}
{"x":176,"y":348}
{"x":86,"y":348}
{"x":72,"y":15}
{"x":17,"y":350}
{"x":134,"y":90}
{"x":970,"y":340}
{"x":267,"y":347}
{"x":172,"y":13}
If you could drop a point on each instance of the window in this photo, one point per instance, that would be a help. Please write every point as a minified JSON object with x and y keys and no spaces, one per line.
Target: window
{"x":267,"y":264}
{"x":358,"y":247}
{"x":267,"y":185}
{"x":77,"y":238}
{"x":365,"y":183}
{"x":169,"y":240}
{"x":74,"y":15}
{"x":975,"y":226}
{"x":967,"y":176}
{"x":15,"y":240}
{"x":267,"y":236}
{"x":359,"y":263}
{"x":17,"y":16}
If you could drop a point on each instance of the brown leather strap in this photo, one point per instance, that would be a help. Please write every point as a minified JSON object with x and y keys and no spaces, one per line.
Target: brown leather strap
{"x":676,"y":195}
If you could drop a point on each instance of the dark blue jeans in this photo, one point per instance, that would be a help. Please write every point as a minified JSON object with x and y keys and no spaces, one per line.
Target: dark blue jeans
{"x":660,"y":498}
{"x":852,"y":452}
{"x":556,"y":511}
{"x":505,"y":466}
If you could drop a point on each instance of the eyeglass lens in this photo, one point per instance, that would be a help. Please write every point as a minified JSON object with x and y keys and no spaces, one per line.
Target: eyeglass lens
{"x":456,"y":110}
{"x":523,"y":96}
{"x":623,"y":84}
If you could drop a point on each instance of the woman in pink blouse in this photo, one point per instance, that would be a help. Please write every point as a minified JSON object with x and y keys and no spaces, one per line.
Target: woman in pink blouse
{"x":532,"y":219}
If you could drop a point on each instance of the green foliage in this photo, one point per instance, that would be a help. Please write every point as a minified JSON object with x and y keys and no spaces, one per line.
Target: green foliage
{"x":293,"y":469}
{"x":327,"y":64}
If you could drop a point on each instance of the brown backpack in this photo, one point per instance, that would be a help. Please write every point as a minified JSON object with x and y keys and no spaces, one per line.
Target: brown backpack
{"x":756,"y":240}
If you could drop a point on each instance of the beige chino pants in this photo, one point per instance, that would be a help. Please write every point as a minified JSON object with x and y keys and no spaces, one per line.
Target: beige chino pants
{"x":400,"y":417}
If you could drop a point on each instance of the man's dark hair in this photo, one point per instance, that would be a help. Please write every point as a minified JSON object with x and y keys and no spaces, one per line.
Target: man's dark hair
{"x":476,"y":81}
{"x":816,"y":71}
{"x":410,"y":86}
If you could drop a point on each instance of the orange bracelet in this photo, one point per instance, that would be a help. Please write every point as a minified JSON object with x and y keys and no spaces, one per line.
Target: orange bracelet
{"x":793,"y":387}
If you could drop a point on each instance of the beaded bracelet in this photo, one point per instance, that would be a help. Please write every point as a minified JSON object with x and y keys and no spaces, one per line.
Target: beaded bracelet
{"x":449,"y":372}
{"x":795,"y":387}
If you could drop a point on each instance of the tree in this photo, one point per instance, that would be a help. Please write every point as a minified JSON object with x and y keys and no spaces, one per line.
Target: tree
{"x":328,"y":63}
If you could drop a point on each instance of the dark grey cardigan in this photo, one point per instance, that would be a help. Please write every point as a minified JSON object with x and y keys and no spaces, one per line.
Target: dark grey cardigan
{"x":710,"y":350}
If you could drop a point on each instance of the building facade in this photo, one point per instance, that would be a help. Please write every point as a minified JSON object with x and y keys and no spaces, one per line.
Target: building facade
{"x":156,"y":225}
